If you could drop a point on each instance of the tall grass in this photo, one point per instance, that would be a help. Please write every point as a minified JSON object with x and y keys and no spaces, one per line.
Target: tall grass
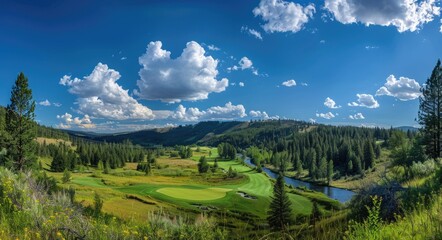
{"x":27,"y":211}
{"x":423,"y":222}
{"x":421,"y":216}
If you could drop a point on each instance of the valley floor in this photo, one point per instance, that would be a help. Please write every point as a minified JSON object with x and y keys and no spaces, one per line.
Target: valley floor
{"x":175,"y":186}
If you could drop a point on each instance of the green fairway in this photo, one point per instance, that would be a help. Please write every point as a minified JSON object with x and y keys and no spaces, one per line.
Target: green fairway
{"x":190,"y":192}
{"x":89,"y":181}
{"x":258,"y":185}
{"x":194,"y":194}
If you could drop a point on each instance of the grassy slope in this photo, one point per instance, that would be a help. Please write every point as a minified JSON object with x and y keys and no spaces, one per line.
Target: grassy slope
{"x":422,"y":223}
{"x":115,"y":189}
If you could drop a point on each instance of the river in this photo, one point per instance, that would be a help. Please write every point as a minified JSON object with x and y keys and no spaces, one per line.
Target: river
{"x":342,"y":195}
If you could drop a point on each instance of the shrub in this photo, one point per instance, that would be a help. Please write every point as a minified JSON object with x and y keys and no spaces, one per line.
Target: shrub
{"x":370,"y":228}
{"x":98,"y":204}
{"x":203,"y":166}
{"x":422,"y":169}
{"x":66,"y":176}
{"x":174,"y":154}
{"x":391,"y":194}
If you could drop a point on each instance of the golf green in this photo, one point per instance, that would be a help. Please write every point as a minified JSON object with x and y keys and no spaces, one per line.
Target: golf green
{"x":194,"y":194}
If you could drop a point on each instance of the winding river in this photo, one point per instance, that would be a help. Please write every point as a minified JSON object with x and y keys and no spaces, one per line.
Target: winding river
{"x":342,"y":195}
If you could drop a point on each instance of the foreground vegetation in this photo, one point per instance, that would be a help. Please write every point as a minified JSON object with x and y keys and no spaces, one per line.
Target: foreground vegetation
{"x":27,"y":211}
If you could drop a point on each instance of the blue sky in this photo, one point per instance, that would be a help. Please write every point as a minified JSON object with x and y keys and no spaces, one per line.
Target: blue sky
{"x":119,"y":66}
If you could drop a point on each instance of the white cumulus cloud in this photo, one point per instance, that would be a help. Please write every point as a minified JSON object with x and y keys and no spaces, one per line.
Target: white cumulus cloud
{"x":226,"y":112}
{"x":357,"y":116}
{"x":68,"y":121}
{"x":245,"y":63}
{"x":403,"y":88}
{"x":241,"y":84}
{"x":330,"y":103}
{"x":405,"y":15}
{"x":262,"y":115}
{"x":289,"y":83}
{"x":328,"y":115}
{"x":365,"y":100}
{"x":99,"y":95}
{"x":282,"y":16}
{"x":45,"y":103}
{"x":191,"y":76}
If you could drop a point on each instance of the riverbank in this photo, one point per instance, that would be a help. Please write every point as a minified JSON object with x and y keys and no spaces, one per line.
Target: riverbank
{"x":352,"y":183}
{"x":340,"y":183}
{"x":339,"y":194}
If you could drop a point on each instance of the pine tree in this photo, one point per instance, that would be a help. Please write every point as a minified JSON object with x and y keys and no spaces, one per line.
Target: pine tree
{"x":147,"y":169}
{"x":430,"y":110}
{"x":203,"y":166}
{"x":3,"y":133}
{"x":280,"y":213}
{"x":377,"y":151}
{"x":58,"y":162}
{"x":368,"y":155}
{"x":100,"y":165}
{"x":350,"y":166}
{"x":106,"y":169}
{"x":329,"y":171}
{"x":66,"y":176}
{"x":98,"y":204}
{"x":20,"y":125}
{"x":313,"y":165}
{"x":298,"y":165}
{"x":322,"y":170}
{"x":316,"y":213}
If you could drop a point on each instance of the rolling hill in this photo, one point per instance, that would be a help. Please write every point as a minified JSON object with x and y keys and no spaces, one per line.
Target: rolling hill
{"x":208,"y":133}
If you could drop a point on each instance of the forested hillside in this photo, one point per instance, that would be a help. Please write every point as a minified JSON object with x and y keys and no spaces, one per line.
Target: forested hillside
{"x":41,"y":130}
{"x":283,"y":143}
{"x":181,"y":135}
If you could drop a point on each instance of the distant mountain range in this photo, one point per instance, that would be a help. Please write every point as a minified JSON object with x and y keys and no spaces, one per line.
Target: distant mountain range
{"x":407,"y":128}
{"x":210,"y":132}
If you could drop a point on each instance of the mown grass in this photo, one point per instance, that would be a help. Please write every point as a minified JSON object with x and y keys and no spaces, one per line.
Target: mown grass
{"x":194,"y":194}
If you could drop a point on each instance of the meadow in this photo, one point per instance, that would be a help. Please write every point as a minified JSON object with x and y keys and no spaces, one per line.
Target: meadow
{"x":175,"y":186}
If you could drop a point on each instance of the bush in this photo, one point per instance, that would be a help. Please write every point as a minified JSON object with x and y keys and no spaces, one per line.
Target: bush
{"x":232,"y":173}
{"x":174,"y":154}
{"x":98,"y":204}
{"x":203,"y":166}
{"x":370,"y":228}
{"x":66,"y":176}
{"x":391,"y":194}
{"x":422,"y":169}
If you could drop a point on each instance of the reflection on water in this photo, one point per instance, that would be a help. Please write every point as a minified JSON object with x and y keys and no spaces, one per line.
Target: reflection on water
{"x":342,"y":195}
